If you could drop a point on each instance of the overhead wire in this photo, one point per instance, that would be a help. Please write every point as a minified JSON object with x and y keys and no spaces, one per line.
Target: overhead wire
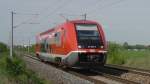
{"x":107,"y":5}
{"x":57,"y":8}
{"x":99,"y":2}
{"x":35,"y":15}
{"x":25,"y":21}
{"x":64,"y":4}
{"x":23,"y":13}
{"x":52,"y":12}
{"x":46,"y":8}
{"x":80,"y":15}
{"x":71,"y":14}
{"x":61,"y":6}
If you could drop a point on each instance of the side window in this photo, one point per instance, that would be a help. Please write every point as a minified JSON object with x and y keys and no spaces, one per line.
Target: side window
{"x":58,"y":38}
{"x":43,"y":46}
{"x":49,"y":42}
{"x":47,"y":46}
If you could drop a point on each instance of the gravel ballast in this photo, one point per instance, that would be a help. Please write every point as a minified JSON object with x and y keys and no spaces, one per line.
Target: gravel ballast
{"x":53,"y":74}
{"x":137,"y":78}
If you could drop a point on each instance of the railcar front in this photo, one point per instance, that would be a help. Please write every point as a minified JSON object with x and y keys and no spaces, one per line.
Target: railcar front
{"x":91,"y":46}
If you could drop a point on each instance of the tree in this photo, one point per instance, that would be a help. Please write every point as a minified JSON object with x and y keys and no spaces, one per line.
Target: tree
{"x":125,"y":45}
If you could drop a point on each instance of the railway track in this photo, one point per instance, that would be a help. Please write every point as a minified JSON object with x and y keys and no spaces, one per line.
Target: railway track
{"x":109,"y":74}
{"x":129,"y":69}
{"x":71,"y":71}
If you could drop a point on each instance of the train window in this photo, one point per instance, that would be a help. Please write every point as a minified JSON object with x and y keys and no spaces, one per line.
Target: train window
{"x":47,"y":47}
{"x":88,"y":36}
{"x":43,"y":46}
{"x":55,"y":35}
{"x":58,"y":38}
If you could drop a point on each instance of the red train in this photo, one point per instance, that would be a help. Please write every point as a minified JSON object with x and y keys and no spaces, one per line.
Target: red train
{"x":76,"y":43}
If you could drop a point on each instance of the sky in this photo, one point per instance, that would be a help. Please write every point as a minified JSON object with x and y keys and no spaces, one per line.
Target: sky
{"x":122,"y":20}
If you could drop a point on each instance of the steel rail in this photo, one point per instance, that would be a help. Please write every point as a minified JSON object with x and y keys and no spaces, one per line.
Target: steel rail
{"x":114,"y":77}
{"x":129,"y":69}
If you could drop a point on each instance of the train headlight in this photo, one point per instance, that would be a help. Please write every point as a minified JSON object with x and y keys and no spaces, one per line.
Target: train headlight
{"x":79,"y":46}
{"x":102,"y":46}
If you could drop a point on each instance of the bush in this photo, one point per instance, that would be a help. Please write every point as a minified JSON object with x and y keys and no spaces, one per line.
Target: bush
{"x":114,"y":54}
{"x":16,"y":71}
{"x":14,"y":67}
{"x":3,"y":47}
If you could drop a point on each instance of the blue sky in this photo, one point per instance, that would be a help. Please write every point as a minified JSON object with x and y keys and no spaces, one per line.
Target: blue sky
{"x":123,"y":20}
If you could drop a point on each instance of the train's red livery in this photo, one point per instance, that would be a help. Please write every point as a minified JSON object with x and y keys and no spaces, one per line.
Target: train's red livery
{"x":76,"y":43}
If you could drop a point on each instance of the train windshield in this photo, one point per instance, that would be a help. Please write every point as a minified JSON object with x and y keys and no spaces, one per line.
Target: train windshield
{"x":88,"y":36}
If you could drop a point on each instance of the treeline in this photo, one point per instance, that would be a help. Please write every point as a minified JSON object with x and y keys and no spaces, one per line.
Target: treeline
{"x":137,"y":46}
{"x":30,"y":49}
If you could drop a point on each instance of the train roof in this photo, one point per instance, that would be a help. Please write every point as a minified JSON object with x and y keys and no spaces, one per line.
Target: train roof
{"x":71,"y":21}
{"x":82,"y":21}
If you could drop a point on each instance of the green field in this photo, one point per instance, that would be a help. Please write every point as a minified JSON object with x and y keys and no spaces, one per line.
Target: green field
{"x":128,"y":57}
{"x":138,"y":59}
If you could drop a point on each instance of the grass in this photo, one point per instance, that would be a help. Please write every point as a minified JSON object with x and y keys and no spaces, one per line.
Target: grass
{"x":138,"y":59}
{"x":14,"y":71}
{"x":121,"y":56}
